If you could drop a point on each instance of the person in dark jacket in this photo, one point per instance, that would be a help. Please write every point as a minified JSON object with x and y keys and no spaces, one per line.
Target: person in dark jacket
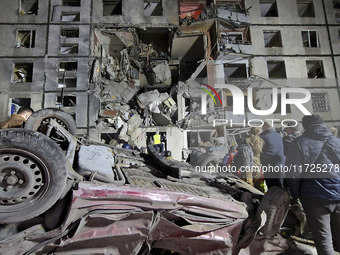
{"x":272,"y":156}
{"x":17,"y":120}
{"x":292,"y":133}
{"x":314,"y":178}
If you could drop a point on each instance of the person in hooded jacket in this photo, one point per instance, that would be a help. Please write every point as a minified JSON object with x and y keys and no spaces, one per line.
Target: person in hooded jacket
{"x":314,"y":178}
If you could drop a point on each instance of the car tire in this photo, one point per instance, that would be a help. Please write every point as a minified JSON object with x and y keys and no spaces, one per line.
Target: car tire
{"x":275,"y":203}
{"x":208,"y":159}
{"x":33,"y":174}
{"x":39,"y":120}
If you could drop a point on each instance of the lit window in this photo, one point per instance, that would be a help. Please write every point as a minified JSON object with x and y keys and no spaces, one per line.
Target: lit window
{"x":315,"y":69}
{"x":276,"y":69}
{"x":272,"y":39}
{"x":309,"y":39}
{"x":268,"y":9}
{"x":25,"y":39}
{"x":23,"y":72}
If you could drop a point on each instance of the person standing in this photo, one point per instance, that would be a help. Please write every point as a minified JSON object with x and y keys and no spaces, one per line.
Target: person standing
{"x":292,"y":133}
{"x":256,"y":143}
{"x":272,"y":156}
{"x":17,"y":120}
{"x":315,"y":180}
{"x":157,"y":142}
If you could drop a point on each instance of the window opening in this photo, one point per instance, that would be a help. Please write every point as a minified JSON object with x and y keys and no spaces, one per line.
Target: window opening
{"x":69,"y":48}
{"x":71,"y":2}
{"x":69,"y":33}
{"x":68,"y":16}
{"x":23,"y":72}
{"x":67,"y":101}
{"x":276,"y":69}
{"x":28,"y":7}
{"x":305,"y":9}
{"x":153,"y":8}
{"x":268,"y":9}
{"x":236,"y":71}
{"x":16,"y":103}
{"x":309,"y":39}
{"x":272,"y":39}
{"x":112,"y":7}
{"x":315,"y":69}
{"x":68,"y":66}
{"x":25,"y":39}
{"x":67,"y":82}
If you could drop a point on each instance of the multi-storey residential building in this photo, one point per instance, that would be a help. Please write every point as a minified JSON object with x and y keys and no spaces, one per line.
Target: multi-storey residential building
{"x":109,"y":63}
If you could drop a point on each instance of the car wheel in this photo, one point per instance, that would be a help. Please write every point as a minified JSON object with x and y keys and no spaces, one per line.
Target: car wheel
{"x":208,"y":159}
{"x":275,"y":203}
{"x":39,"y":121}
{"x":33,"y":174}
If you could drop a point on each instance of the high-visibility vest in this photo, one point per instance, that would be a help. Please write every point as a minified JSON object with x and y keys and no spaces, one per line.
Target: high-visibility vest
{"x":156,"y":139}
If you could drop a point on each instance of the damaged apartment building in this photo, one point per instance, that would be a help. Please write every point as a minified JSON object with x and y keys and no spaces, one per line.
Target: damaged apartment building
{"x":126,"y":69}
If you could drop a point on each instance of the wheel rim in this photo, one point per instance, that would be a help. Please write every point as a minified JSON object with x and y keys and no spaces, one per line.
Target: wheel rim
{"x":43,"y":127}
{"x":24,"y":179}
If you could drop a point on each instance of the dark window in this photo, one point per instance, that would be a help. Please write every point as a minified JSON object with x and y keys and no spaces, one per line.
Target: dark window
{"x":71,"y":2}
{"x":276,"y":69}
{"x":25,"y":39}
{"x":28,"y":7}
{"x":336,"y":4}
{"x":68,"y":66}
{"x":309,"y":39}
{"x":112,"y":7}
{"x":69,"y":33}
{"x":23,"y":72}
{"x":67,"y":82}
{"x":305,"y":9}
{"x":272,"y":39}
{"x":268,"y":9}
{"x":67,"y":101}
{"x":153,"y":8}
{"x":315,"y":69}
{"x":237,"y":71}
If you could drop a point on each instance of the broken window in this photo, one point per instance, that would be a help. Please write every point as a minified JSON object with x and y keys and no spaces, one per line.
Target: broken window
{"x":67,"y":101}
{"x":16,"y":103}
{"x":67,"y":66}
{"x":272,"y":39}
{"x":25,"y":39}
{"x":336,"y":4}
{"x":233,"y":37}
{"x":71,"y":2}
{"x":305,"y":8}
{"x":69,"y":33}
{"x":28,"y":7}
{"x":320,"y":102}
{"x":276,"y":69}
{"x":67,"y":82}
{"x":153,"y":8}
{"x":315,"y":69}
{"x":309,"y":39}
{"x":23,"y":72}
{"x":236,"y":71}
{"x":112,"y":7}
{"x":69,"y":48}
{"x":268,"y":9}
{"x":70,"y":16}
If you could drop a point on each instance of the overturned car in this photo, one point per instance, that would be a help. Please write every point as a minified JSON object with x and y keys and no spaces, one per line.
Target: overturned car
{"x":61,"y":195}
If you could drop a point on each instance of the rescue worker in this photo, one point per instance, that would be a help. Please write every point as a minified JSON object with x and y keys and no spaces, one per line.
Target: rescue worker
{"x":157,"y":142}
